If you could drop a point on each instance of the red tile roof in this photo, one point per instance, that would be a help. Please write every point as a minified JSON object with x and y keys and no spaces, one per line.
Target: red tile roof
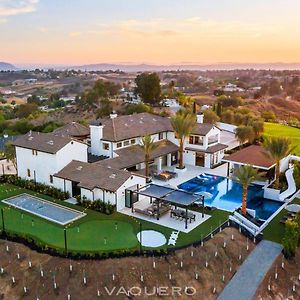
{"x":254,"y":155}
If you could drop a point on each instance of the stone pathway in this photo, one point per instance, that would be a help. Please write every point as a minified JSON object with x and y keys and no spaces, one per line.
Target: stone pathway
{"x":247,"y":279}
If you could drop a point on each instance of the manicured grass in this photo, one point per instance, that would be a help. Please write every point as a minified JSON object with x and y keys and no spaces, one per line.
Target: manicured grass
{"x":95,"y":232}
{"x":275,"y":230}
{"x":279,"y":130}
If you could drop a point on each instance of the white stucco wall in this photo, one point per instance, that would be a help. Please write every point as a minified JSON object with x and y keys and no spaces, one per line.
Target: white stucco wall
{"x":44,"y":164}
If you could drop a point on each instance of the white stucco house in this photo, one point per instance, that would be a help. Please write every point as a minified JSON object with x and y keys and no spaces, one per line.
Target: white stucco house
{"x":61,"y":160}
{"x":41,"y":155}
{"x":119,"y":136}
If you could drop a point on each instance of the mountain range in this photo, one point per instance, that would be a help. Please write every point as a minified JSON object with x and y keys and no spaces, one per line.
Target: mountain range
{"x":4,"y":66}
{"x":172,"y":67}
{"x":131,"y":67}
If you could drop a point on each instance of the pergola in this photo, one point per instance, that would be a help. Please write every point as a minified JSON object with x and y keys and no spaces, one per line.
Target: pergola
{"x":176,"y":197}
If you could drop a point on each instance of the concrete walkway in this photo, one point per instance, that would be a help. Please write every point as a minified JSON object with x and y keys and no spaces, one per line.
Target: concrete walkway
{"x":247,"y":279}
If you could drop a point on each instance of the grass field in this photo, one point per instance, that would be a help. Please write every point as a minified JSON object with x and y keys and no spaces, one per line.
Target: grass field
{"x":95,"y":232}
{"x":275,"y":230}
{"x":279,"y":130}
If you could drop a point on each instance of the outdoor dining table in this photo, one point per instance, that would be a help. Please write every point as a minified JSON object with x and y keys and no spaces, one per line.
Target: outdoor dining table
{"x":181,"y":214}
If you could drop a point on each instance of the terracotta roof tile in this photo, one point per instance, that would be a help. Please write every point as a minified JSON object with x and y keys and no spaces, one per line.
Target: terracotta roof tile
{"x":253,"y":155}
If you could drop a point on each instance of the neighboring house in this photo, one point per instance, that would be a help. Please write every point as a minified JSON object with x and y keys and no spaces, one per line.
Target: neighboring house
{"x":230,"y":87}
{"x":110,"y":137}
{"x":41,"y":155}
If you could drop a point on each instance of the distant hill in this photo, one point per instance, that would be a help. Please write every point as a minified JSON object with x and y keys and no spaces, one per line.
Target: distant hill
{"x":157,"y":68}
{"x":7,"y":67}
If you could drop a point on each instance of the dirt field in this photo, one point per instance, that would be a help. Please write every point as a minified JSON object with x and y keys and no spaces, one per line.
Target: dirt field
{"x":287,"y":278}
{"x":128,"y":273}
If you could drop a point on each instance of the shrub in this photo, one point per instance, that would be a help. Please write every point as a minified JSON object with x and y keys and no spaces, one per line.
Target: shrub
{"x":291,"y":237}
{"x":35,"y":186}
{"x":97,"y":205}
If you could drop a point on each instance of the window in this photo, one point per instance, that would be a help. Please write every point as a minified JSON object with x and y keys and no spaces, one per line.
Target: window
{"x":132,"y":142}
{"x":160,"y":135}
{"x":196,"y":140}
{"x":105,"y":146}
{"x":119,"y":145}
{"x":28,"y":173}
{"x":126,"y":143}
{"x":51,"y":179}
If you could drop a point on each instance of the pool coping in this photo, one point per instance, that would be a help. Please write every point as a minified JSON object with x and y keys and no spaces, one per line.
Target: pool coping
{"x":81,"y":214}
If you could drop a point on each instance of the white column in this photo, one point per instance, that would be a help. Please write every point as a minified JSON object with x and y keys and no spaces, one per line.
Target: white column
{"x":169,"y":160}
{"x":159,"y":164}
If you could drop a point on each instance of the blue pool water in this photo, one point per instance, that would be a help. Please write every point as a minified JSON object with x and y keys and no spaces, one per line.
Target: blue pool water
{"x":227,"y":194}
{"x":44,"y":209}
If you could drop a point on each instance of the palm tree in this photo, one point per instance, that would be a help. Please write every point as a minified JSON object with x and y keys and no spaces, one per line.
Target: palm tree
{"x":245,"y":175}
{"x":148,"y":146}
{"x":278,"y":148}
{"x":183,"y":123}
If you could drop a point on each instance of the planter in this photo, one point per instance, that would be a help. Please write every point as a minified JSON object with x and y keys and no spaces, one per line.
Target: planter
{"x":180,"y":170}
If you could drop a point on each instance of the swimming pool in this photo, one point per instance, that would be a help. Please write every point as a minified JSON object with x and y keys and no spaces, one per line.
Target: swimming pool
{"x":227,"y":195}
{"x":44,"y":209}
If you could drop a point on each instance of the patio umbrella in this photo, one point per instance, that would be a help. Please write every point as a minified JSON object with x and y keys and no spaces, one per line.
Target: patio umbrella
{"x":293,"y":208}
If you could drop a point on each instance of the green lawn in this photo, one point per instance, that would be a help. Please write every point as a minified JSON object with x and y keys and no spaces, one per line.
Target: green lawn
{"x":95,"y":232}
{"x":279,"y":130}
{"x":275,"y":230}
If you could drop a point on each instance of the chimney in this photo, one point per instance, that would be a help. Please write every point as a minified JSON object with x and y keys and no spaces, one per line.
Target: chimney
{"x":113,"y":115}
{"x":200,"y":118}
{"x":96,"y":132}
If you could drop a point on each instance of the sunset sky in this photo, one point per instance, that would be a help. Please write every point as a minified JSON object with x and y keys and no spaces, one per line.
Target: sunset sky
{"x":149,"y":31}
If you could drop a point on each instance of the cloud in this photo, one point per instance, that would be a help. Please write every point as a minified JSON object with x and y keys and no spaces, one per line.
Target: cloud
{"x":17,"y":7}
{"x":189,"y":28}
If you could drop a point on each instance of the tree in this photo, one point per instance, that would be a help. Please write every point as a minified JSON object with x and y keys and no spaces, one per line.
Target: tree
{"x":275,"y":87}
{"x":185,"y":101}
{"x":148,"y":146}
{"x":137,"y":108}
{"x":268,"y":116}
{"x":101,"y":90}
{"x":228,"y":117}
{"x":244,"y":134}
{"x":10,"y":153}
{"x":210,"y":117}
{"x":258,"y":129}
{"x":148,"y":87}
{"x":105,"y":108}
{"x":227,"y":101}
{"x":183,"y":123}
{"x":171,"y":87}
{"x":24,"y":110}
{"x":245,"y":175}
{"x":278,"y":148}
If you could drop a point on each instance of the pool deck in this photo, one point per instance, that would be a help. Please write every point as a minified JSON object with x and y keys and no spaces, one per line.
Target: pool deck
{"x":165,"y":220}
{"x":248,"y":278}
{"x":189,"y":173}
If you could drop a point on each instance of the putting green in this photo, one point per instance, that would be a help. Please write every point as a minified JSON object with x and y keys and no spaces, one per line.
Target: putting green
{"x":94,"y":235}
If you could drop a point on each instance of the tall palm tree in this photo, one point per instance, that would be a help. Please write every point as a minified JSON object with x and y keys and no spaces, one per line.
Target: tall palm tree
{"x":148,"y":146}
{"x":183,"y":123}
{"x":278,"y":148}
{"x":245,"y":175}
